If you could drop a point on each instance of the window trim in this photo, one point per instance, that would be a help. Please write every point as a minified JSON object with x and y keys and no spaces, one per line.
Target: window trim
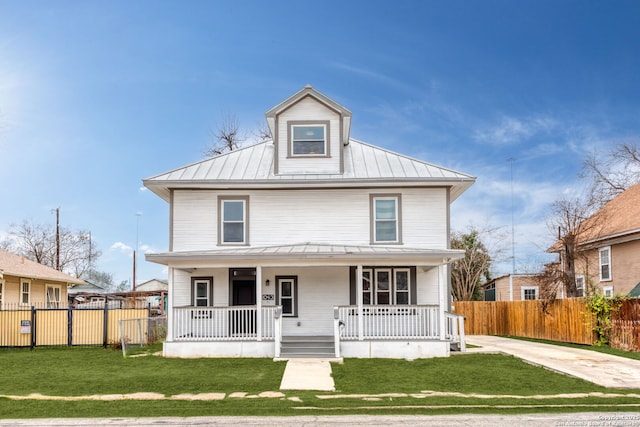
{"x":581,"y":288}
{"x":294,"y":296}
{"x":245,"y":229}
{"x":48,"y":286}
{"x":607,"y":290}
{"x":22,"y":292}
{"x":393,"y":285}
{"x":608,"y":264}
{"x":299,"y":123}
{"x":194,"y":296}
{"x":535,"y":289}
{"x":372,"y":217}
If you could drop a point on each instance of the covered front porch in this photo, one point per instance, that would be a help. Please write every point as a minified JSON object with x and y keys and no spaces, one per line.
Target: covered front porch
{"x":371,"y":331}
{"x":334,"y":300}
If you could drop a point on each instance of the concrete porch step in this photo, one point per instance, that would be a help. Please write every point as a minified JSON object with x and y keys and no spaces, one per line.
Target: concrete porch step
{"x":307,"y":347}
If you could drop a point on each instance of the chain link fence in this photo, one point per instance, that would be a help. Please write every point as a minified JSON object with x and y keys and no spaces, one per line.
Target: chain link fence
{"x":142,"y":332}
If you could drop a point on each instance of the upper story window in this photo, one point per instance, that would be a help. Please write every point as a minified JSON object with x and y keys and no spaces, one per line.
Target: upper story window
{"x":233,"y":226}
{"x":605,"y":263}
{"x":308,"y":139}
{"x":385,"y":219}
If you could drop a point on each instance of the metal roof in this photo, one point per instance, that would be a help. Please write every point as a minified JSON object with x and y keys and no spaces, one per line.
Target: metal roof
{"x":252,"y":167}
{"x":308,"y":251}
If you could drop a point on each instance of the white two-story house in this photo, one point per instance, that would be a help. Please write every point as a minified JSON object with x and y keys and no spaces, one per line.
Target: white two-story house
{"x":310,"y":244}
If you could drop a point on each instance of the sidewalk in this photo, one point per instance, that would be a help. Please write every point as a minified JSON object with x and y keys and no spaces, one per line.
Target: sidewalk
{"x":599,"y":368}
{"x":307,"y":374}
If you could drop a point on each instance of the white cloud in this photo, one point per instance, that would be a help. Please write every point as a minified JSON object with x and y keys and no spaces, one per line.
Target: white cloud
{"x":514,"y":130}
{"x":122,"y":247}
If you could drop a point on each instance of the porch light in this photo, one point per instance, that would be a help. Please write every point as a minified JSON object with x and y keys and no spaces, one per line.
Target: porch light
{"x":267,"y":282}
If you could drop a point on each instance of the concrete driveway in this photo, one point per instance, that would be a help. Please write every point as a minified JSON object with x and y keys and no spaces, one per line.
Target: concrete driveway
{"x":599,"y":368}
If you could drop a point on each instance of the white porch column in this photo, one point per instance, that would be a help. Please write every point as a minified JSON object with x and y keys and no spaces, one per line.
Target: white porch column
{"x":170,"y":314}
{"x":259,"y":303}
{"x":442,"y":299}
{"x":359,"y":302}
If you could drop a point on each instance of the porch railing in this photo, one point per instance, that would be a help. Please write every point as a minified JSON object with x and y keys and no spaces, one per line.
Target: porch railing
{"x":455,"y":329}
{"x":224,"y":323}
{"x":390,"y":322}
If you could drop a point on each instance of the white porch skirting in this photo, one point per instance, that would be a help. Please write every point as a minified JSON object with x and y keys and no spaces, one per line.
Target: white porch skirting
{"x":219,"y":349}
{"x":386,"y":349}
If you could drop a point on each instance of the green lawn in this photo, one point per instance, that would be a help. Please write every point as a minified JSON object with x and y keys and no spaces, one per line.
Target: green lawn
{"x":393,"y":386}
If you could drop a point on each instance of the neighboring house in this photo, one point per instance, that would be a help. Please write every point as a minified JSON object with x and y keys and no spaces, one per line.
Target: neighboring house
{"x":157,"y":290}
{"x":313,"y":243}
{"x":153,"y":285}
{"x":25,"y":283}
{"x":516,"y":287}
{"x":608,"y":255}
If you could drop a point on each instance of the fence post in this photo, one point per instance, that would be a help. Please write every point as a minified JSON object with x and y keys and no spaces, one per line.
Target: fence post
{"x":69,"y":327}
{"x":33,"y":327}
{"x":105,"y":327}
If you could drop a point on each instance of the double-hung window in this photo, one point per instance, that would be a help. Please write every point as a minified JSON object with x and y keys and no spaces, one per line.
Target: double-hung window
{"x":386,"y":286}
{"x":287,"y":290}
{"x":233,"y":226}
{"x":580,"y":285}
{"x":25,"y":292}
{"x":385,"y":218}
{"x":202,"y":291}
{"x":308,"y":139}
{"x":605,"y":263}
{"x":53,"y":296}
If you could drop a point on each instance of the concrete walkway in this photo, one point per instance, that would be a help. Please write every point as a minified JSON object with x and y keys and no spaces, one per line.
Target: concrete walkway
{"x":307,"y":374}
{"x":599,"y":368}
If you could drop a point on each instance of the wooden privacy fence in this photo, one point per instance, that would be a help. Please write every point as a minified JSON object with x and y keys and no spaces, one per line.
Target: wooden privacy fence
{"x":564,"y":320}
{"x":31,"y":326}
{"x":625,"y":326}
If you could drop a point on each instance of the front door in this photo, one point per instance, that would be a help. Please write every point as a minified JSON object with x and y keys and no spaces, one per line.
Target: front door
{"x":243,"y":293}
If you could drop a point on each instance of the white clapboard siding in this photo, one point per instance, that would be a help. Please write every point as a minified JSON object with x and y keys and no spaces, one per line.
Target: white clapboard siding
{"x":309,"y":109}
{"x":321,"y":215}
{"x":427,"y":286}
{"x":319,"y":290}
{"x":194,"y":220}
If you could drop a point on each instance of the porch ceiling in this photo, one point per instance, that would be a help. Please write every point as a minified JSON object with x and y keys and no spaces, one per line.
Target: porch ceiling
{"x":309,"y":254}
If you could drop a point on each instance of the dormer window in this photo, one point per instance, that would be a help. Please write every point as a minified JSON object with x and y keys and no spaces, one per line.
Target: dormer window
{"x":308,"y":139}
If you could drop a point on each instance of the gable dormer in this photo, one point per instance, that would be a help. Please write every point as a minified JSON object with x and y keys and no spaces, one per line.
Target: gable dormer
{"x":309,"y":132}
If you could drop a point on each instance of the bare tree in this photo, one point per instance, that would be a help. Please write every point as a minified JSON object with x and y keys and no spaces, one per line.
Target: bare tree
{"x":38,"y":243}
{"x":468,"y":273}
{"x":262,"y":132}
{"x":575,"y":220}
{"x":227,"y":137}
{"x":615,"y":171}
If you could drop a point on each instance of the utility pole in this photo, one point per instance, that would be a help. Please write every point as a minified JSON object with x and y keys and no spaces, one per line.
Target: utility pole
{"x":58,"y":239}
{"x":513,"y":239}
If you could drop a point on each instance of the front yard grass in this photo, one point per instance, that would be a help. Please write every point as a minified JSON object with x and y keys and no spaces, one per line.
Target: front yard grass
{"x":429,"y":386}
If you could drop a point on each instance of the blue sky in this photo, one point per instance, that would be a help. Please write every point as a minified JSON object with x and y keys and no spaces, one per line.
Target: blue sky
{"x":97,"y":95}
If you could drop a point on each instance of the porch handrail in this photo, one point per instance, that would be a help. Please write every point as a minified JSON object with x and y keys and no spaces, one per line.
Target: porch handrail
{"x":237,"y":323}
{"x":455,"y":329}
{"x":390,"y":322}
